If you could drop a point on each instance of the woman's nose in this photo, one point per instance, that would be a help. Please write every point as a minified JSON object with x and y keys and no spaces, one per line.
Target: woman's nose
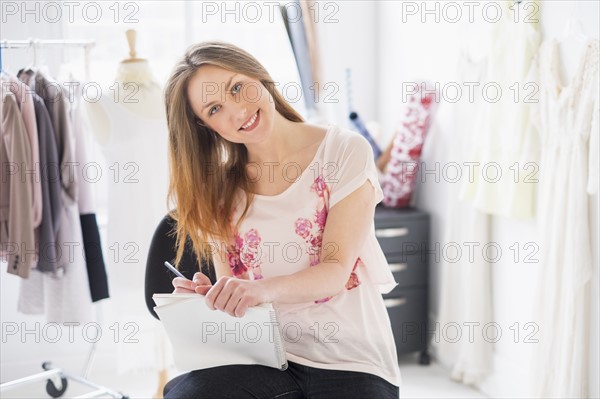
{"x":241,"y":113}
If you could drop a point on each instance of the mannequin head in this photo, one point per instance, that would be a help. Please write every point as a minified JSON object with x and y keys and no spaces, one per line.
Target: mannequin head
{"x":207,"y":167}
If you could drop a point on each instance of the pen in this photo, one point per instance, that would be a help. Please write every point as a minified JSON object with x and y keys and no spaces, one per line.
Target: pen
{"x":177,"y":272}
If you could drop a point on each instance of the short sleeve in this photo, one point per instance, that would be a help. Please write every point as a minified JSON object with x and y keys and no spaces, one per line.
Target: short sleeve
{"x":353,"y":164}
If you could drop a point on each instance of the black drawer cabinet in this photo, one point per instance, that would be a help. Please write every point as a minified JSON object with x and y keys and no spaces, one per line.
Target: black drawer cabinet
{"x":404,"y":237}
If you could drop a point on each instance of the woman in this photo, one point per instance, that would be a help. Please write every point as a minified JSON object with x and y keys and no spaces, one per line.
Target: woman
{"x":285,"y":210}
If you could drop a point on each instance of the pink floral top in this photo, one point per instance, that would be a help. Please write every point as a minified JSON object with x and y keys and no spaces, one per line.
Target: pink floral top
{"x":282,"y":235}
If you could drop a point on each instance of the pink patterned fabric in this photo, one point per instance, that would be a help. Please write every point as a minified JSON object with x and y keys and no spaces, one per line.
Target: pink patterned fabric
{"x":399,"y":179}
{"x":244,"y":257}
{"x":285,"y":233}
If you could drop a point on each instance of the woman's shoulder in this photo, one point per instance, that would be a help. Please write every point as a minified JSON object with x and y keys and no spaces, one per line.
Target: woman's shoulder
{"x":341,"y":141}
{"x":333,"y":135}
{"x":334,"y":143}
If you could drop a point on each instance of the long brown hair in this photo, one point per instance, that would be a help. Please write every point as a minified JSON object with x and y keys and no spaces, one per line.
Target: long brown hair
{"x":207,"y":170}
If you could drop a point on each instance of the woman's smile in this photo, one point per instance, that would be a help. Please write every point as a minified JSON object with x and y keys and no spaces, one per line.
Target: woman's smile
{"x":251,"y":123}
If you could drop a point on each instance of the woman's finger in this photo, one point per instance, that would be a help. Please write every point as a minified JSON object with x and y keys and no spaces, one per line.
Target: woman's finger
{"x":201,"y":279}
{"x":233,"y":303}
{"x":214,"y":292}
{"x":202,"y":289}
{"x":180,"y":290}
{"x":179,"y":282}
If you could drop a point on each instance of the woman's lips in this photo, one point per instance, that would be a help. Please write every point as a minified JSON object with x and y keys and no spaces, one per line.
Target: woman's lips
{"x":256,"y":121}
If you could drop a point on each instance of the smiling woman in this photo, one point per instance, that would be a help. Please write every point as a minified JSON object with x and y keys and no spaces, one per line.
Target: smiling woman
{"x":241,"y":95}
{"x":323,"y":270}
{"x":205,"y":140}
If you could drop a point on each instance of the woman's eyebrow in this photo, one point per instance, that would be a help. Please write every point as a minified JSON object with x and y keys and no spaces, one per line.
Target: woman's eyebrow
{"x":227,"y":85}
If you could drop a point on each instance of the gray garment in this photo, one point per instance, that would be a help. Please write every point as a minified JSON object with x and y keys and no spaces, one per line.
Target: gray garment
{"x":57,"y":105}
{"x":51,"y":189}
{"x":297,"y":35}
{"x":17,"y":240}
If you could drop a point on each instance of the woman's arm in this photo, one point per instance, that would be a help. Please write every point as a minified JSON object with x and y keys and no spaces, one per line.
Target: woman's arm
{"x":219,"y":258}
{"x":200,"y":284}
{"x":347,"y":226}
{"x":346,"y":229}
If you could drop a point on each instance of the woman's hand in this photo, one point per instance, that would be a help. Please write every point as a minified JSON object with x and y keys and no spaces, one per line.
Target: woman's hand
{"x":234,"y":296}
{"x":199,"y":285}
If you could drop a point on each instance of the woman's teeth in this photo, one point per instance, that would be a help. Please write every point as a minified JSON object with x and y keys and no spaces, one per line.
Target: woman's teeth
{"x":251,"y":121}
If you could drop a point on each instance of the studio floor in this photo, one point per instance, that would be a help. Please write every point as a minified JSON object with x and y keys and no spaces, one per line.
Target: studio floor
{"x":418,"y":382}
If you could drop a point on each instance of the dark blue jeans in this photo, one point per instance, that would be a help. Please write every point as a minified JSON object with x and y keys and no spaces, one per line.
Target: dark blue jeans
{"x":297,"y":382}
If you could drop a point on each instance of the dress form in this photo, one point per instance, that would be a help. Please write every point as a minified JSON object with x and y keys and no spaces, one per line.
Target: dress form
{"x":135,"y":89}
{"x":129,"y":124}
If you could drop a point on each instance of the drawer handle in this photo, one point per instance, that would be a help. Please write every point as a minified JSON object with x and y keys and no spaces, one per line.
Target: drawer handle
{"x":394,"y":302}
{"x":398,"y":267}
{"x":393,"y":232}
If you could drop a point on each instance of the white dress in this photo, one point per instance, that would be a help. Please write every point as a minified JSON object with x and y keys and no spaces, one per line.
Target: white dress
{"x":505,"y":153}
{"x":567,"y":122}
{"x":137,"y":177}
{"x":465,"y":286}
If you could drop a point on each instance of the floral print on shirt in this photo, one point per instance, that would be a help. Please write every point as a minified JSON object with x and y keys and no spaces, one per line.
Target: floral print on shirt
{"x":244,"y":259}
{"x":312,"y":233}
{"x":244,"y":256}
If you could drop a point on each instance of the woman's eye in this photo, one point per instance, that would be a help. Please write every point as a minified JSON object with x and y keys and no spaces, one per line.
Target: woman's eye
{"x":213,"y":109}
{"x":236,"y":88}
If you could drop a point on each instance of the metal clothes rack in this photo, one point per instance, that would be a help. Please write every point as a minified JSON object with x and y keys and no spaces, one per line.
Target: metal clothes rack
{"x":51,"y":371}
{"x":35,"y":44}
{"x":55,"y":392}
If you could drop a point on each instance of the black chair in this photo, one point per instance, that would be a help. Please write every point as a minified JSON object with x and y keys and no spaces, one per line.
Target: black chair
{"x":162,"y":248}
{"x":158,"y":278}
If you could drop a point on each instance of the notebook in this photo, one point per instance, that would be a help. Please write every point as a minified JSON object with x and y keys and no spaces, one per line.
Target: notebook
{"x":203,"y":338}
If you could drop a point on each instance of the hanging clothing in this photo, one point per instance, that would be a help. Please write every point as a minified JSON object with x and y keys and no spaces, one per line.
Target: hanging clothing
{"x":24,"y":99}
{"x":466,"y":286}
{"x":57,"y":105}
{"x":47,"y":237}
{"x":505,"y":154}
{"x":92,"y":245}
{"x":296,"y":31}
{"x":296,"y":218}
{"x":567,"y":121}
{"x":17,"y":241}
{"x":62,"y":294}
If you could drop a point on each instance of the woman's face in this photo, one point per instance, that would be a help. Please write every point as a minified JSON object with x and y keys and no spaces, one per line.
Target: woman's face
{"x":237,"y":107}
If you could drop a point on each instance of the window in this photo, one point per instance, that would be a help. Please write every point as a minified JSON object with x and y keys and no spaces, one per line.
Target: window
{"x":166,"y":29}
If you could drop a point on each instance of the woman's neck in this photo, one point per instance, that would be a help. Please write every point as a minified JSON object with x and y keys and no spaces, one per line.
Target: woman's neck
{"x":280,"y":145}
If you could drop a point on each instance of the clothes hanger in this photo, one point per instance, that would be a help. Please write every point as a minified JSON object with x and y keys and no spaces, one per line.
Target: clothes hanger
{"x":29,"y":69}
{"x":5,"y":70}
{"x":573,"y":30}
{"x":2,"y":71}
{"x":570,"y":45}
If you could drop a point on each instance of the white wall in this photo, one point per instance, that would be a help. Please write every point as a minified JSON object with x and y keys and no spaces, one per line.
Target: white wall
{"x":410,"y":50}
{"x":349,"y":39}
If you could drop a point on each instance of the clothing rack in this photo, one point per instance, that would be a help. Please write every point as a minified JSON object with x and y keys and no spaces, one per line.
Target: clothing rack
{"x":35,"y":44}
{"x":55,"y":392}
{"x":51,"y":371}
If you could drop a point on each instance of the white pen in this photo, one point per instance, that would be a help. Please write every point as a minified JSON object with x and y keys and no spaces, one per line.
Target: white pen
{"x":177,"y":272}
